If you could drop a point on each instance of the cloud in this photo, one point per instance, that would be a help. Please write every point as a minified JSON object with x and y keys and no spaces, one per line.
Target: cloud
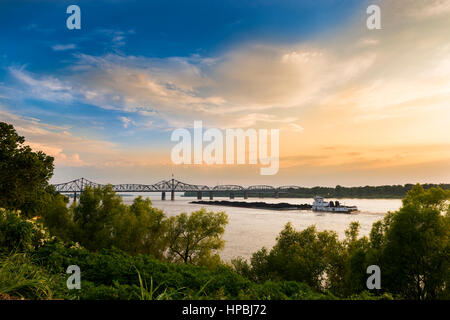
{"x":178,"y":90}
{"x":297,"y":127}
{"x":352,"y":75}
{"x":126,"y":121}
{"x":69,"y":150}
{"x":64,"y":47}
{"x":427,"y":8}
{"x":46,"y":88}
{"x":351,"y":87}
{"x":115,"y":38}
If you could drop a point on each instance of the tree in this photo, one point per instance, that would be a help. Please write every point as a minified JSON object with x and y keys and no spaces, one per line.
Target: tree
{"x":306,"y":256}
{"x":197,"y":237}
{"x":58,"y":218}
{"x":415,"y":247}
{"x":355,"y":263}
{"x":101,"y":220}
{"x":141,"y":229}
{"x":24,"y":174}
{"x":94,"y":217}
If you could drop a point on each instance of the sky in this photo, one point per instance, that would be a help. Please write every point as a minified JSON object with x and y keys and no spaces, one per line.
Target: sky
{"x":353,"y":106}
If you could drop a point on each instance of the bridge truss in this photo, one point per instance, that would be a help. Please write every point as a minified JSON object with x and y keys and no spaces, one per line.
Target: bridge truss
{"x":172,"y":185}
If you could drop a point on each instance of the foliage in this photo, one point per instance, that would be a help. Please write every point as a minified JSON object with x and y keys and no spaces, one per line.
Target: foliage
{"x":113,"y":274}
{"x":24,"y":174}
{"x":20,"y":278}
{"x":94,"y":217}
{"x":415,"y":249}
{"x":58,"y":218}
{"x":141,"y":229}
{"x":197,"y":237}
{"x":306,"y":256}
{"x":116,"y":291}
{"x":18,"y":234}
{"x":101,"y":220}
{"x":283,"y":290}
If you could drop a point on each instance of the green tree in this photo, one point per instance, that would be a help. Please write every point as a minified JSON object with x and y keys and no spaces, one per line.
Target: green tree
{"x":141,"y":229}
{"x":58,"y":218}
{"x":101,"y":220}
{"x":306,"y":256}
{"x":196,"y":238}
{"x":414,"y":247}
{"x":354,"y":258}
{"x":94,"y":217}
{"x":24,"y":174}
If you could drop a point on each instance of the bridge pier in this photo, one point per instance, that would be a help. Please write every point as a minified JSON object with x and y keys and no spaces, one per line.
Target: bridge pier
{"x":75,"y":197}
{"x":199,"y":195}
{"x":245,"y":195}
{"x":277,"y":194}
{"x":172,"y":195}
{"x":163,"y":195}
{"x":210,"y":195}
{"x":231,"y":195}
{"x":261,"y":195}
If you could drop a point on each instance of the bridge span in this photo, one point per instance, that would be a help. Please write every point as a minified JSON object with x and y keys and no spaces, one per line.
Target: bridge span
{"x":77,"y":186}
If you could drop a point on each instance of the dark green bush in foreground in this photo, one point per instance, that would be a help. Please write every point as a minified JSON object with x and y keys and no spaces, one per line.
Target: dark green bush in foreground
{"x":113,"y":274}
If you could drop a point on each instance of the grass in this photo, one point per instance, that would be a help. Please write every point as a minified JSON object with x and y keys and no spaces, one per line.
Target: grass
{"x":151,"y":293}
{"x":20,"y":278}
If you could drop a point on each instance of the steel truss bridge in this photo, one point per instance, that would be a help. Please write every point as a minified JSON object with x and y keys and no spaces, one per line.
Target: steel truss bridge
{"x":77,"y":186}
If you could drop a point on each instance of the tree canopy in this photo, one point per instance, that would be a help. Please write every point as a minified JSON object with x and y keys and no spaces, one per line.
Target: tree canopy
{"x":24,"y":174}
{"x":197,"y":237}
{"x":415,"y":245}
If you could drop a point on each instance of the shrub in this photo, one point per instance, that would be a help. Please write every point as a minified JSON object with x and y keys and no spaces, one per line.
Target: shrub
{"x":18,"y":234}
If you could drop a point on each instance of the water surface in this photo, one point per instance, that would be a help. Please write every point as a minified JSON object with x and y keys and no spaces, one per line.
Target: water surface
{"x":249,"y":230}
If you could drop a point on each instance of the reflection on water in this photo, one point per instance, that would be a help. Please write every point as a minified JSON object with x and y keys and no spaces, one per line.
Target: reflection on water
{"x":249,"y":230}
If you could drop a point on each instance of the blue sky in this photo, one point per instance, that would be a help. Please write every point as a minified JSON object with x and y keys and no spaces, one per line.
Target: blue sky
{"x":35,"y":40}
{"x":104,"y":100}
{"x":164,"y":28}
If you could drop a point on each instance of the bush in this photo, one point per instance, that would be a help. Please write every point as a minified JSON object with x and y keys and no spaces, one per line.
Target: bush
{"x":113,"y":274}
{"x":282,"y":290}
{"x":91,"y":291}
{"x":18,"y":234}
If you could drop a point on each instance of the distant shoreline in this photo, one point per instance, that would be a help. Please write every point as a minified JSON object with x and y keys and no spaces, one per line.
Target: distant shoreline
{"x":338,"y":192}
{"x":294,"y":197}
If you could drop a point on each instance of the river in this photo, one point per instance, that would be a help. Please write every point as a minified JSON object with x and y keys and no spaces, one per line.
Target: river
{"x":249,"y":230}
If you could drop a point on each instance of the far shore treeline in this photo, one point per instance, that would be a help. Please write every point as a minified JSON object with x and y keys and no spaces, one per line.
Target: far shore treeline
{"x":136,"y":252}
{"x":338,"y":192}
